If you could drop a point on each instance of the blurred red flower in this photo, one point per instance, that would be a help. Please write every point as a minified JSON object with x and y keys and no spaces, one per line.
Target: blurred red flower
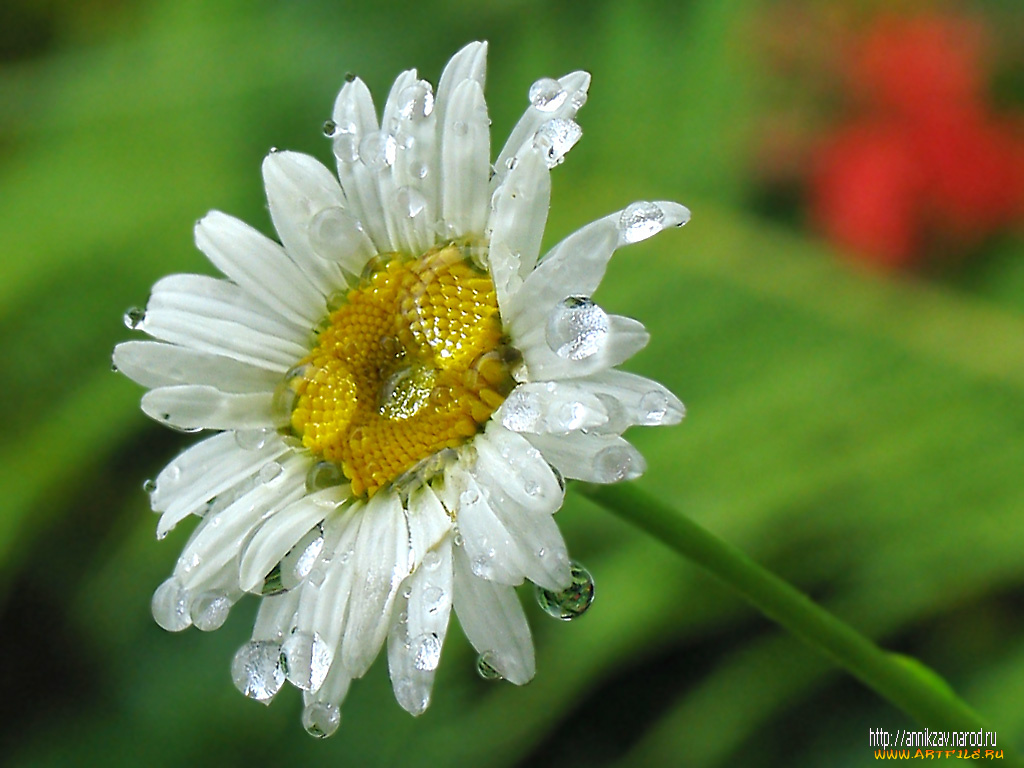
{"x":923,"y":162}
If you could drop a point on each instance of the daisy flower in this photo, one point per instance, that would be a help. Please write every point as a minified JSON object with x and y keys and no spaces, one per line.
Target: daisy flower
{"x":397,"y":391}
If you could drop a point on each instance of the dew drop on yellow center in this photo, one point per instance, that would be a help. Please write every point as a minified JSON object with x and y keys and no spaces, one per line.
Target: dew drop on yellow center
{"x":413,"y":362}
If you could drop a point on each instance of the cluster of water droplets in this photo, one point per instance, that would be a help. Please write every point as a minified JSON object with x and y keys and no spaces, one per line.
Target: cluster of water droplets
{"x":528,"y":410}
{"x":577,"y":328}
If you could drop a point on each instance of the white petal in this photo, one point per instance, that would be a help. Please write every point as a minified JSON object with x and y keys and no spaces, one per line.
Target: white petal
{"x":470,"y":63}
{"x":517,"y":223}
{"x":492,"y":553}
{"x":205,"y":471}
{"x":576,"y":265}
{"x":594,"y":458}
{"x":416,"y":169}
{"x":218,"y":539}
{"x":395,"y":205}
{"x":276,"y":616}
{"x":465,"y":161}
{"x":153,"y":364}
{"x":281,"y":532}
{"x":494,"y":622}
{"x":222,"y":337}
{"x":326,"y":592}
{"x":190,"y":406}
{"x":509,"y":465}
{"x":414,"y":644}
{"x":333,"y":690}
{"x":575,"y":85}
{"x":556,"y":407}
{"x":299,"y":187}
{"x":428,"y":522}
{"x":632,"y":399}
{"x":261,"y":267}
{"x":381,"y":562}
{"x":625,"y":337}
{"x":524,"y":512}
{"x":356,"y":121}
{"x":211,"y":299}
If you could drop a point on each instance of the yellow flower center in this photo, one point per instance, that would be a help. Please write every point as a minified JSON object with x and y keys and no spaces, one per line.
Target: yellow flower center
{"x":414,"y":361}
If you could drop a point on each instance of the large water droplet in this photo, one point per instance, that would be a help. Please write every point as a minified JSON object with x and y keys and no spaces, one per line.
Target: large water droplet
{"x":377,"y":149}
{"x":427,"y":652}
{"x":572,"y":602}
{"x":134,"y":317}
{"x":306,"y":660}
{"x":432,"y":598}
{"x":210,"y":611}
{"x":416,"y":101}
{"x":170,"y":606}
{"x":321,"y":719}
{"x":414,"y":698}
{"x":555,"y":138}
{"x":332,"y":232}
{"x":256,"y":670}
{"x":640,"y":221}
{"x":577,"y":328}
{"x":330,"y":128}
{"x":547,"y":94}
{"x":485,"y":666}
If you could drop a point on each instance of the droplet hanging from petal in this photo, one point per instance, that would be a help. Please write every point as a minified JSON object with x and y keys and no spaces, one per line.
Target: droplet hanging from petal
{"x":571,"y":602}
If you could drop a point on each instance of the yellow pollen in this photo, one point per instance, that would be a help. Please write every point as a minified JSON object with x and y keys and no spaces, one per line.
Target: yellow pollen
{"x":412,"y":363}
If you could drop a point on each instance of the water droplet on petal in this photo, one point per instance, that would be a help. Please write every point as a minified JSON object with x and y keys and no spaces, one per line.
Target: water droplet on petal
{"x":485,"y":666}
{"x":324,"y":474}
{"x":570,"y":416}
{"x":330,"y":128}
{"x":413,"y":698}
{"x":427,"y":650}
{"x":431,"y":560}
{"x":252,"y":439}
{"x":416,"y":101}
{"x":432,"y":598}
{"x":419,"y":170}
{"x":256,"y":670}
{"x":640,"y":221}
{"x":149,"y":485}
{"x":521,"y":411}
{"x":555,"y":138}
{"x":410,"y":201}
{"x":572,"y":602}
{"x":271,"y":473}
{"x":306,"y":659}
{"x":577,"y":328}
{"x":346,"y":142}
{"x":654,"y":406}
{"x":460,"y":128}
{"x":547,"y":94}
{"x":134,"y":318}
{"x":170,"y":606}
{"x":616,"y":463}
{"x":321,"y":719}
{"x":210,"y":611}
{"x":377,"y":149}
{"x":469,"y":497}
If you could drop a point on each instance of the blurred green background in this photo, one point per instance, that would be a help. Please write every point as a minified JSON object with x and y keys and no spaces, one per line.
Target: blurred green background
{"x":860,"y":432}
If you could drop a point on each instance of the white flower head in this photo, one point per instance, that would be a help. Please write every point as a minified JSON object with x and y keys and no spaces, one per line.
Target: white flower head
{"x":397,"y":390}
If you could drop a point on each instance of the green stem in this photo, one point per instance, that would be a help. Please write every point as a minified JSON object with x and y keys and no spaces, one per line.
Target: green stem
{"x":904,"y":682}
